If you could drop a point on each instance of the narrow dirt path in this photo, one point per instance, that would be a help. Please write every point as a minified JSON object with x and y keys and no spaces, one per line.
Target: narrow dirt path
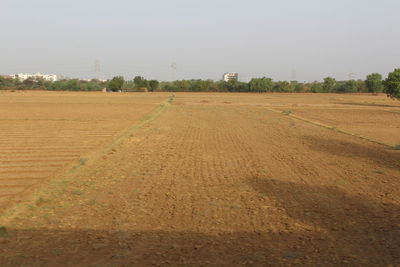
{"x":219,"y":185}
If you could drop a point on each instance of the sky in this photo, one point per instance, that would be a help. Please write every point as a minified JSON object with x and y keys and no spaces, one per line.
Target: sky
{"x":303,"y":40}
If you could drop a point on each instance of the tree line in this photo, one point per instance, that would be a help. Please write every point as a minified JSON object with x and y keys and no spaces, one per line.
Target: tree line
{"x":373,"y":83}
{"x":42,"y":84}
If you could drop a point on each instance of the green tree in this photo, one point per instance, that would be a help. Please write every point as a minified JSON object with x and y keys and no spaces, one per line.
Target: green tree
{"x":346,"y":86}
{"x":29,"y":83}
{"x":351,"y":86}
{"x":281,"y":86}
{"x":392,"y":84}
{"x":236,"y":86}
{"x":92,"y":86}
{"x":374,"y":83}
{"x":221,"y":86}
{"x":73,"y":85}
{"x":58,"y":85}
{"x":316,"y":87}
{"x":153,"y":85}
{"x":140,"y":82}
{"x":361,"y":86}
{"x":116,"y":83}
{"x":299,"y":87}
{"x":329,"y":84}
{"x":6,"y":82}
{"x":261,"y":84}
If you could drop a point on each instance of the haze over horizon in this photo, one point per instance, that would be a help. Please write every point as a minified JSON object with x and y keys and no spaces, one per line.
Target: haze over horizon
{"x":303,"y":40}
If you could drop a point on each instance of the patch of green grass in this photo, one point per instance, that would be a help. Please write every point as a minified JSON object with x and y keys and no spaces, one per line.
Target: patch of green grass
{"x":380,"y":171}
{"x":82,"y":161}
{"x":77,"y":193}
{"x":235,"y":206}
{"x":171,"y":99}
{"x":287,"y":112}
{"x":65,"y":182}
{"x":3,"y":231}
{"x":397,"y":147}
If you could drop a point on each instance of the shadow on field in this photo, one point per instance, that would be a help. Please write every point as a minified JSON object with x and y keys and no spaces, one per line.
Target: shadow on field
{"x":349,"y":230}
{"x":353,"y":225}
{"x":383,"y":156}
{"x":98,"y":248}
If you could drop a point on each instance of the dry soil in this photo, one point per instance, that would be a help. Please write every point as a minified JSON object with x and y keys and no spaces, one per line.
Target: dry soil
{"x":220,"y":180}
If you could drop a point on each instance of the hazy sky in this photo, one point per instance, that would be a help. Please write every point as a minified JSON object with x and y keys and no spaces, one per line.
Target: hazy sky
{"x":302,"y":39}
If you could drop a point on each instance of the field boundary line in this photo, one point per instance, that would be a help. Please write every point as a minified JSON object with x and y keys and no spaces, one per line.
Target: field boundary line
{"x":91,"y":156}
{"x":142,"y":122}
{"x":316,"y":123}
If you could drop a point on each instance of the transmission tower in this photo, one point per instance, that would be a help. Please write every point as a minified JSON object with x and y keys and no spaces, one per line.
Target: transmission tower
{"x":173,"y":71}
{"x":97,"y":69}
{"x":293,"y":74}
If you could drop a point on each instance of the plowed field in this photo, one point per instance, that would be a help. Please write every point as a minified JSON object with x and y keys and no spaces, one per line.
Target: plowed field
{"x":223,"y":180}
{"x":43,"y":134}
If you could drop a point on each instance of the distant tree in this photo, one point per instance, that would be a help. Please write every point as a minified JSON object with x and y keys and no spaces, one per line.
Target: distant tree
{"x":281,"y":86}
{"x":153,"y":85}
{"x":58,"y":86}
{"x":42,"y":83}
{"x":316,"y":87}
{"x":140,"y":82}
{"x":346,"y":86}
{"x":242,"y":87}
{"x":129,"y":86}
{"x":73,"y":85}
{"x":351,"y":86}
{"x":299,"y":87}
{"x":221,"y":86}
{"x":197,"y":86}
{"x":6,"y":82}
{"x":203,"y":85}
{"x":29,"y":83}
{"x":116,"y":83}
{"x":167,"y":87}
{"x":329,"y":84}
{"x":392,"y":84}
{"x":92,"y":86}
{"x":236,"y":86}
{"x":361,"y":86}
{"x":261,"y":85}
{"x":182,"y":86}
{"x":374,"y":83}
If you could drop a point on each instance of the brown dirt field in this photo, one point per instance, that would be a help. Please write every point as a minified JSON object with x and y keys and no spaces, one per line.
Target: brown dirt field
{"x":43,"y":133}
{"x":373,"y":117}
{"x":220,"y":180}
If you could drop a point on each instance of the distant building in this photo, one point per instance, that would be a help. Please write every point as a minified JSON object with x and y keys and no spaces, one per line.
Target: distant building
{"x":25,"y":76}
{"x":95,"y":79}
{"x":230,"y":76}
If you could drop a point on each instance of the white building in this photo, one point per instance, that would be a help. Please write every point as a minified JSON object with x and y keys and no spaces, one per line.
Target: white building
{"x":230,"y":76}
{"x":24,"y":76}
